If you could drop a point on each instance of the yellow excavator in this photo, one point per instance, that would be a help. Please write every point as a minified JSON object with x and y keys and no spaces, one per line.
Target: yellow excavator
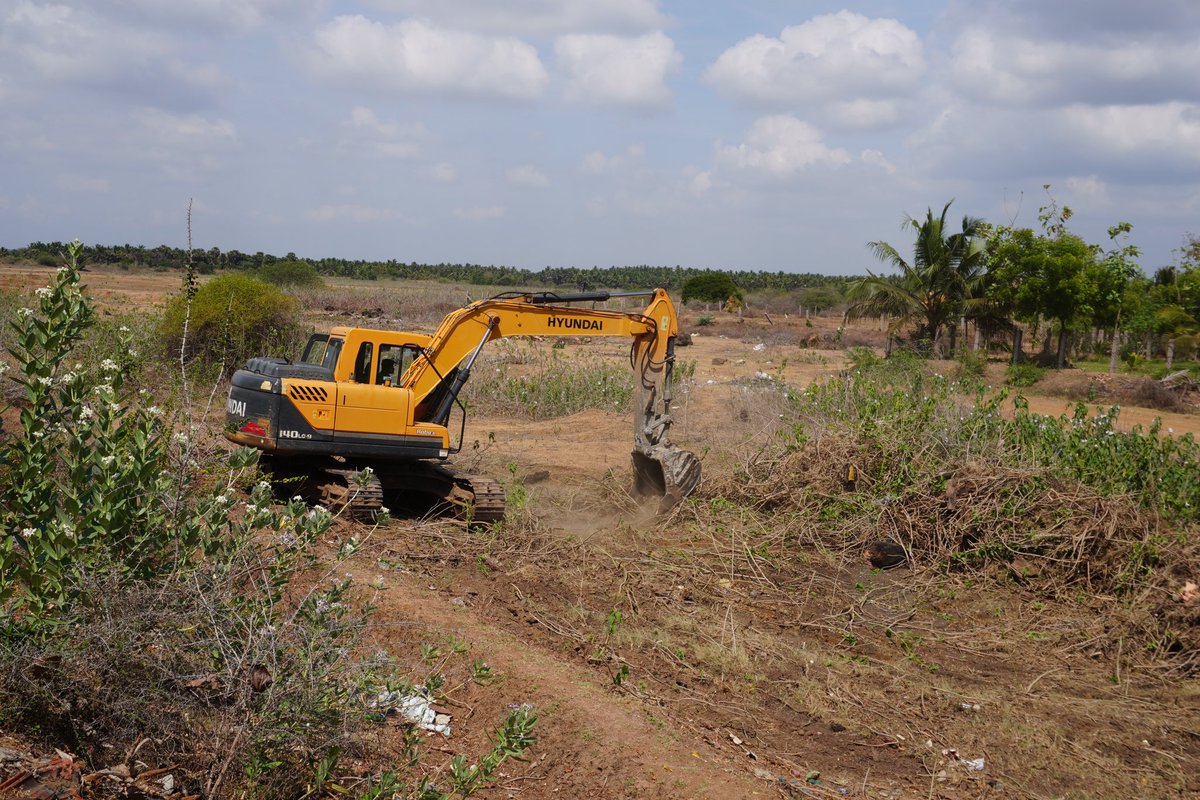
{"x":360,"y":398}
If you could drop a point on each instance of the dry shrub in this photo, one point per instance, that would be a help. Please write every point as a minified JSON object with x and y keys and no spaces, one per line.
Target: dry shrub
{"x":1092,"y":387}
{"x":1076,"y":385}
{"x":1148,"y":393}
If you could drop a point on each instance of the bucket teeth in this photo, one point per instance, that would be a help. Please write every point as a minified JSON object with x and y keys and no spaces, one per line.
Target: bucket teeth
{"x":665,"y":471}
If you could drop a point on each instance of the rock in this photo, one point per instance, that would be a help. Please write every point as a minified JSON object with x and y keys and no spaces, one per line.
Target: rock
{"x":538,"y":476}
{"x":885,"y":554}
{"x":10,"y":755}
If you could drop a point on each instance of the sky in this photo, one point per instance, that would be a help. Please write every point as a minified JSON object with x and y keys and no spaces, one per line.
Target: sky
{"x":760,"y":134}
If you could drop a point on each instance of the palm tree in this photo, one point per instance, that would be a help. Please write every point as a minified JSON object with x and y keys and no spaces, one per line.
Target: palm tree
{"x":936,"y":290}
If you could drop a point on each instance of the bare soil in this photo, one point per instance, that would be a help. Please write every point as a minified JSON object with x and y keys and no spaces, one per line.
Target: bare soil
{"x":746,"y":663}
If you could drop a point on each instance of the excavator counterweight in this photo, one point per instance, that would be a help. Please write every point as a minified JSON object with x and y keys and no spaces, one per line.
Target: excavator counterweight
{"x":362,"y":398}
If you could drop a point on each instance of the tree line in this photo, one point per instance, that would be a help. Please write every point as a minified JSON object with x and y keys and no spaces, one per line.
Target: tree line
{"x":1004,"y":281}
{"x":640,"y":276}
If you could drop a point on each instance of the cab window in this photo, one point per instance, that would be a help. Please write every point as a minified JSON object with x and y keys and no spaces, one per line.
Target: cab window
{"x":394,"y":359}
{"x":362,"y":363}
{"x":314,"y":351}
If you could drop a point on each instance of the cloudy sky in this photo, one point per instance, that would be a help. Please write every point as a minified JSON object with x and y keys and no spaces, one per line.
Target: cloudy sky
{"x":760,"y":134}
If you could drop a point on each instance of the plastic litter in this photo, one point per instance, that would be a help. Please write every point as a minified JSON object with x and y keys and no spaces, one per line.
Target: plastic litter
{"x":414,"y":708}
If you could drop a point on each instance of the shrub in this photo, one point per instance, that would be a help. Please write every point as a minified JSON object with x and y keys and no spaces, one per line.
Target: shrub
{"x":971,"y":365}
{"x":711,"y":287}
{"x":233,"y":317}
{"x":289,"y":273}
{"x":559,"y":386}
{"x":1023,"y":374}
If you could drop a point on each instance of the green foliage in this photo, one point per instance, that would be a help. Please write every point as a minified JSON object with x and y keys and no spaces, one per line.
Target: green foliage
{"x":558,"y":386}
{"x":894,"y":408}
{"x":232,"y":317}
{"x":711,"y":287}
{"x":289,"y":273}
{"x":704,"y":321}
{"x":1023,"y":374}
{"x":940,"y":285}
{"x":821,"y":298}
{"x":971,"y":366}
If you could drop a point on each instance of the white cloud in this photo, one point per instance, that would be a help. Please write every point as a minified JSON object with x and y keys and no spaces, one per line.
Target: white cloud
{"x":528,"y":176}
{"x":61,"y":44}
{"x":190,"y":131}
{"x":838,"y":57}
{"x":441,"y":172}
{"x":478,"y":214}
{"x":537,"y":17}
{"x":864,"y":113}
{"x":779,"y":146}
{"x":1090,"y":190}
{"x":1020,"y":69}
{"x":214,"y":16}
{"x":596,"y":163}
{"x":877,"y":158}
{"x":414,"y":55}
{"x":1167,"y":129}
{"x":353,"y":213}
{"x":74,"y":182}
{"x":615,"y":70}
{"x":364,"y":133}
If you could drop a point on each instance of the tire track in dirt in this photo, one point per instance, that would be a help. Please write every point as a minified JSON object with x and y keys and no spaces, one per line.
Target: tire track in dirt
{"x":602,"y":744}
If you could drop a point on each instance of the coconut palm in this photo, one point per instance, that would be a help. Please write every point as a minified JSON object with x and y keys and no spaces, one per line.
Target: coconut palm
{"x":934,"y":291}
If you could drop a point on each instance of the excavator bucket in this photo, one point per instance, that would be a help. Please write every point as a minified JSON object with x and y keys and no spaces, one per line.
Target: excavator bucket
{"x":665,"y":471}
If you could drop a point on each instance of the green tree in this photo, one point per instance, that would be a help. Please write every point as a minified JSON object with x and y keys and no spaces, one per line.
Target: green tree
{"x":711,"y":287}
{"x":940,"y":285}
{"x":1117,"y":268}
{"x":232,"y":317}
{"x":1054,"y":279}
{"x":289,"y":272}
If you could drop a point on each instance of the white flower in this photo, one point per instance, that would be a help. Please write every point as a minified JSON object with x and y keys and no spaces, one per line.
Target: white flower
{"x":3,"y":368}
{"x":108,"y":365}
{"x":46,"y":381}
{"x":107,"y":460}
{"x":86,"y":413}
{"x":103,"y":388}
{"x":123,"y":329}
{"x":24,"y":313}
{"x":43,"y":293}
{"x":27,"y":532}
{"x":154,"y":411}
{"x":221,"y":499}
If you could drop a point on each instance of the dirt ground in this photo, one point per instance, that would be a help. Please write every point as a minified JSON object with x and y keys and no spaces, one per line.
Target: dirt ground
{"x":743,"y":663}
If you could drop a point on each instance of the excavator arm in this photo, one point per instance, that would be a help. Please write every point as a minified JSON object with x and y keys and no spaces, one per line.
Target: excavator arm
{"x":660,"y":468}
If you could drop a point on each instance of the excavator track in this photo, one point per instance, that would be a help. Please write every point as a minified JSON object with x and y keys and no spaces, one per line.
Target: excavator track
{"x":357,"y":492}
{"x":422,"y":486}
{"x":476,"y":498}
{"x":487,"y":504}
